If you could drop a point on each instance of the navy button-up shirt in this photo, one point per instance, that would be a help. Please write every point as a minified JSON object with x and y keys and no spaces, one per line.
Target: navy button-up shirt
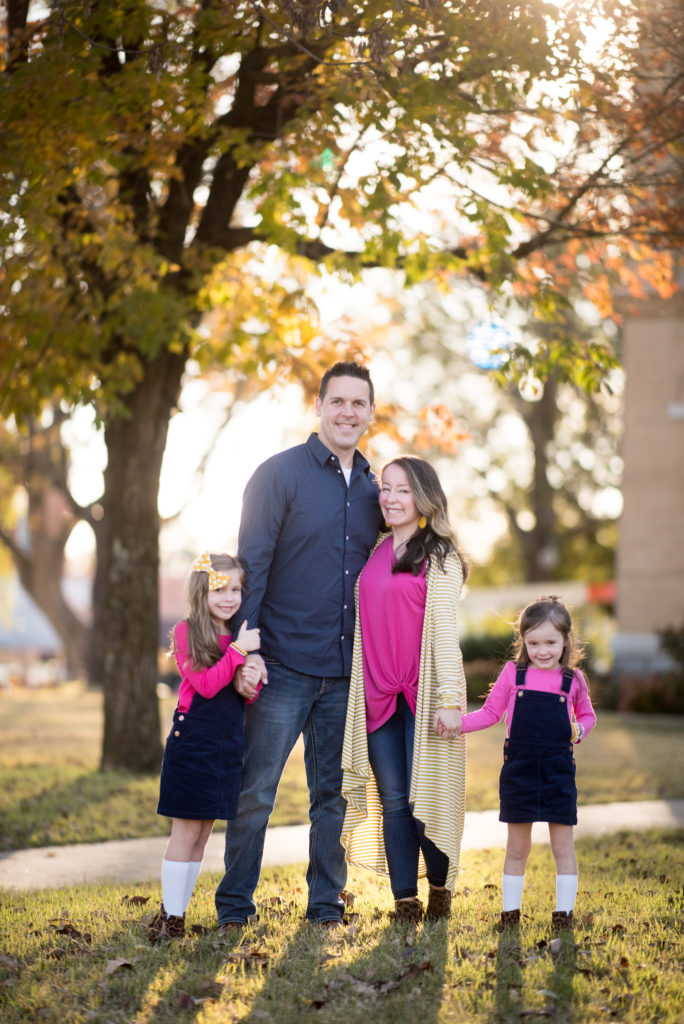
{"x":304,"y":537}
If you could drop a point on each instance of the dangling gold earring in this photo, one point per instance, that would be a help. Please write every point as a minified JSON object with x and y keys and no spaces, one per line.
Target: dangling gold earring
{"x":422,"y":522}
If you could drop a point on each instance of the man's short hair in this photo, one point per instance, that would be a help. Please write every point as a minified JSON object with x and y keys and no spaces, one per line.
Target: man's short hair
{"x":346,"y":370}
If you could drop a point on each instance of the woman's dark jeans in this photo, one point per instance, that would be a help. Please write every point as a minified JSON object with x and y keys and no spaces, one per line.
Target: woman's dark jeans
{"x":390,"y":750}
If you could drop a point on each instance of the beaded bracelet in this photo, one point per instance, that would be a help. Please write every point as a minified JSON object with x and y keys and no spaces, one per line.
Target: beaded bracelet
{"x":578,"y":731}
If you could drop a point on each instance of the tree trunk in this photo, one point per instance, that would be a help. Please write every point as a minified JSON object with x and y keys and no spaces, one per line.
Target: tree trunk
{"x":539,"y":546}
{"x":126,"y":603}
{"x":42,"y":578}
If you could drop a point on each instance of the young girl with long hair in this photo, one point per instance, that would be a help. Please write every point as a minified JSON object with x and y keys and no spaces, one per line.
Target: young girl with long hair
{"x":545,"y":699}
{"x":202,"y":767}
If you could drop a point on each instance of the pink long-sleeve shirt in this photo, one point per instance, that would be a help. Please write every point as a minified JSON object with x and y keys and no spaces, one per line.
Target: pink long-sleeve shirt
{"x":391,"y":610}
{"x":501,"y":698}
{"x":207,"y":681}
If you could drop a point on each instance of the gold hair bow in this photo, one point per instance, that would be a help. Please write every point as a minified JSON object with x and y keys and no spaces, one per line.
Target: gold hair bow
{"x":216,"y":579}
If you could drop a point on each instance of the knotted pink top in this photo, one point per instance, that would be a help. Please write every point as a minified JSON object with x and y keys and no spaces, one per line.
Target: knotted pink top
{"x":391,"y":610}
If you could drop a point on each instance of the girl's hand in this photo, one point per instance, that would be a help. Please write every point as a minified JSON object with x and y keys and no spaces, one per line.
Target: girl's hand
{"x":248,"y":639}
{"x":447,"y":722}
{"x":248,"y":676}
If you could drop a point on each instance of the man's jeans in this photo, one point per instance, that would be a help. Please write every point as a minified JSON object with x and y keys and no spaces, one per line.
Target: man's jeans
{"x":390,"y":751}
{"x":289,"y":705}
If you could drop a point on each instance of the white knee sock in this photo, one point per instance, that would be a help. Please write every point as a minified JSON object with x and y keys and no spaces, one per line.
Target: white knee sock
{"x":512,"y":891}
{"x":566,"y":892}
{"x":194,"y":868}
{"x":174,"y":879}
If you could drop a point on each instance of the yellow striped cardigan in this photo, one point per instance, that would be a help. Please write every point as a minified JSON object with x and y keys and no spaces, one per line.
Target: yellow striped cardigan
{"x":438,"y":772}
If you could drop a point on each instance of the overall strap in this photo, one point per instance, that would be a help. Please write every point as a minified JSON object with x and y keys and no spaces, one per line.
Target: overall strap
{"x":520,"y":673}
{"x":568,"y":676}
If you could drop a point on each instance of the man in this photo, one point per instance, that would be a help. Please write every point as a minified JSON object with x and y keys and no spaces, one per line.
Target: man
{"x":309,"y":518}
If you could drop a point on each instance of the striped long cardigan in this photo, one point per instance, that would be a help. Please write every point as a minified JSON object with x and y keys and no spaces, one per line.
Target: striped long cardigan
{"x":438,"y":772}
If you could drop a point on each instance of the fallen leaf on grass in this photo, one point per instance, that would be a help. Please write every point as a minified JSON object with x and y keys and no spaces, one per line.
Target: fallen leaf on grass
{"x":461,"y":953}
{"x":314,"y":1004}
{"x":119,"y":964}
{"x":326,"y":957}
{"x":135,"y":900}
{"x":275,"y":906}
{"x":67,"y":928}
{"x":383,"y":987}
{"x":212,"y":991}
{"x":617,"y":928}
{"x":348,"y":898}
{"x":186,"y":1001}
{"x":249,"y":957}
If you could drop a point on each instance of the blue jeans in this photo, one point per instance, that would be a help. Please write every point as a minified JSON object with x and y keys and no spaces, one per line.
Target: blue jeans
{"x":390,"y":751}
{"x":291,"y":704}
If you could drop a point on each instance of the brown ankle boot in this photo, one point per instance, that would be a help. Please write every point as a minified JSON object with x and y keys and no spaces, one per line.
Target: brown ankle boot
{"x":172,"y":928}
{"x":561,"y":920}
{"x":438,"y":904}
{"x":156,"y":925}
{"x":509,"y":919}
{"x":408,"y":911}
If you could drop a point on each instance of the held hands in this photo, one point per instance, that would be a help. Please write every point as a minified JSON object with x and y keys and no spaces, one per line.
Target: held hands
{"x":447,"y":723}
{"x":249,"y":675}
{"x":248,"y":639}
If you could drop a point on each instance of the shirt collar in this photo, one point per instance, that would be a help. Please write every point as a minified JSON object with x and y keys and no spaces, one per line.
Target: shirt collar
{"x":322,"y":454}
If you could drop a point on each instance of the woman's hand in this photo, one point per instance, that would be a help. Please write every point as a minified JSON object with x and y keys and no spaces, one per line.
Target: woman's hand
{"x":447,"y":722}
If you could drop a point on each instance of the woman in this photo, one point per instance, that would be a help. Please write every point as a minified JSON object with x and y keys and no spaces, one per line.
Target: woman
{"x":405,"y":811}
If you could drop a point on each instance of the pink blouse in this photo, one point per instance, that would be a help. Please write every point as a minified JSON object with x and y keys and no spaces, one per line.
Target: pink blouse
{"x":207,"y":681}
{"x":501,"y":698}
{"x":391,"y":610}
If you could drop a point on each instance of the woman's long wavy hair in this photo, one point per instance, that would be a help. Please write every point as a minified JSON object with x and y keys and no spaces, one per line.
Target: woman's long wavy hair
{"x":202,"y":632}
{"x":546,"y":609}
{"x":437,"y":538}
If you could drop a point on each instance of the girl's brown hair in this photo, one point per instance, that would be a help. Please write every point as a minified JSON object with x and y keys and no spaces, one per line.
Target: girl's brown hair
{"x":546,"y":609}
{"x":437,"y":536}
{"x":202,"y":633}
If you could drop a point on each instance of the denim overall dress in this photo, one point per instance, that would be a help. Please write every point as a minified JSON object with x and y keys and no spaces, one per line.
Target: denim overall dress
{"x":202,"y":767}
{"x":537,"y":781}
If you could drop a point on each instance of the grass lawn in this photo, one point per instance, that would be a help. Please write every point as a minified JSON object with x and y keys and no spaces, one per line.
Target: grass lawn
{"x":52,"y":793}
{"x":81,"y":956}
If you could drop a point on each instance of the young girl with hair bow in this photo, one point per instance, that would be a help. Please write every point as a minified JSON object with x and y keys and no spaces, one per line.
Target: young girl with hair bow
{"x":202,"y":768}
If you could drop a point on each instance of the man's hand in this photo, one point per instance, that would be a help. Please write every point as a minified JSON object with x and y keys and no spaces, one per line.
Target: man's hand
{"x":447,"y":722}
{"x":248,"y":676}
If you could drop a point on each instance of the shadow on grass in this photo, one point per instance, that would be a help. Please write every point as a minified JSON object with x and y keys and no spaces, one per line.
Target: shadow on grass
{"x":558,"y":990}
{"x":316,"y":979}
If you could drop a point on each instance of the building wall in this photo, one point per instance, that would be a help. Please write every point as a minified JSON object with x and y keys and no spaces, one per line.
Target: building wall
{"x":650,"y":564}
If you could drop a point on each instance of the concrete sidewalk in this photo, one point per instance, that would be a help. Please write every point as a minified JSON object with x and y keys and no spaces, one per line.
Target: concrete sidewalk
{"x":139,"y":860}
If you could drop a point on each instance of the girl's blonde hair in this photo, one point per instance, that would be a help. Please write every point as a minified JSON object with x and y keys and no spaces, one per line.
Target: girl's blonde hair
{"x":202,"y":633}
{"x":546,"y":609}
